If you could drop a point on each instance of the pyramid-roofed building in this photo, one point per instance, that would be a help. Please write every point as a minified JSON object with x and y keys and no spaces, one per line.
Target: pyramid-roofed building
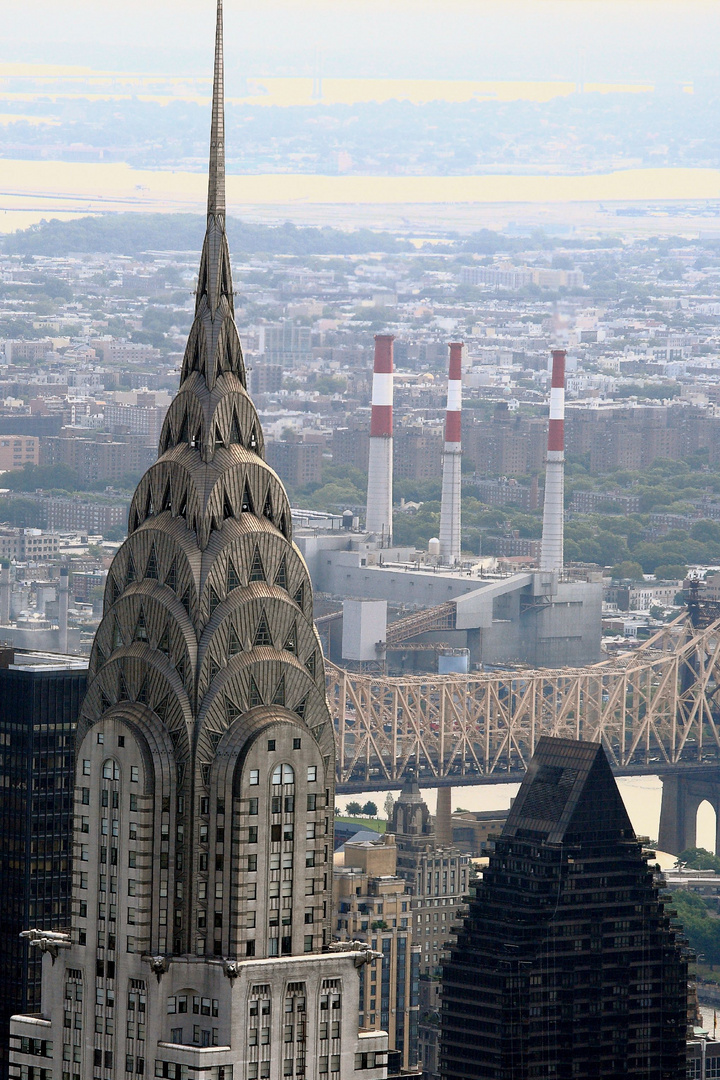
{"x":568,"y":964}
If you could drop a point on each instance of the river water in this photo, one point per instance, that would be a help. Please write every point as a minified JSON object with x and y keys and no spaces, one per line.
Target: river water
{"x":641,"y":795}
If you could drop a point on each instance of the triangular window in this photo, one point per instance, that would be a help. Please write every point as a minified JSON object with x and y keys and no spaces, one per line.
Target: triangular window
{"x":161,"y":708}
{"x":299,"y":597}
{"x":181,"y":668}
{"x":114,"y":589}
{"x":233,"y":581}
{"x":141,"y":633}
{"x":247,"y":504}
{"x":163,"y":644}
{"x":215,"y":737}
{"x":231,"y":710}
{"x":197,"y":358}
{"x":228,"y":511}
{"x":310,"y":664}
{"x":281,"y":576}
{"x":214,"y":600}
{"x":197,"y":437}
{"x":283,"y":525}
{"x":213,"y":667}
{"x":134,"y":521}
{"x":105,"y":702}
{"x":166,"y":503}
{"x":130,"y":573}
{"x":99,"y":657}
{"x":253,"y":442}
{"x":117,"y":642}
{"x":183,"y":434}
{"x":234,"y":646}
{"x":229,"y":353}
{"x":185,"y":601}
{"x":262,"y":634}
{"x":279,"y":695}
{"x":268,"y":507}
{"x":301,"y":707}
{"x":291,"y":641}
{"x":151,"y":570}
{"x":235,"y":436}
{"x":257,"y":570}
{"x":254,"y":698}
{"x":149,"y":508}
{"x":182,"y":510}
{"x":219,"y":441}
{"x":123,"y":694}
{"x":143,"y":694}
{"x":171,"y":579}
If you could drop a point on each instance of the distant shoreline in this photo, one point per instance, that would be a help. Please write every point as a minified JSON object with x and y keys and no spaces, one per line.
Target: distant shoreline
{"x":33,"y":190}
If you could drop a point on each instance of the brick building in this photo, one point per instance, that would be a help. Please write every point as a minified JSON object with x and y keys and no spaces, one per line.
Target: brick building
{"x":18,"y":450}
{"x":295,"y":463}
{"x":101,"y":458}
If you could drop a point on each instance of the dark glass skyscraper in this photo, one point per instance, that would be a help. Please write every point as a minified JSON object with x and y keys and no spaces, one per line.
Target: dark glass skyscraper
{"x":40,"y":698}
{"x":567,"y":965}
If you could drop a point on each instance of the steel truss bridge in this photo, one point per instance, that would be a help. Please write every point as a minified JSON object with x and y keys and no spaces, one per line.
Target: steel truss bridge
{"x":654,"y":709}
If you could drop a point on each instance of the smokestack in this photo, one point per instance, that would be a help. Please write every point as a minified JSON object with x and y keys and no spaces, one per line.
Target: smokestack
{"x":5,"y":588}
{"x":63,"y":610}
{"x":378,"y":519}
{"x":450,"y":506}
{"x":551,"y":551}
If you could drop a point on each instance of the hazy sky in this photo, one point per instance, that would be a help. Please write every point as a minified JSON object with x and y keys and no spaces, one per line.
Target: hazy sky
{"x":619,"y":40}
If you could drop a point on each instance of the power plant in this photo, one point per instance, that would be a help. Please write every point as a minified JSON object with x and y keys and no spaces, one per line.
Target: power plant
{"x":551,"y":550}
{"x":456,"y":615}
{"x":378,"y":519}
{"x":452,"y":461}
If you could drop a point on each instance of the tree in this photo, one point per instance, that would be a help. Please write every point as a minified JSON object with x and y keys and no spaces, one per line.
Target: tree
{"x":627,"y":570}
{"x":389,"y":806}
{"x":370,"y":809}
{"x":353,"y":809}
{"x":699,"y":859}
{"x":671,"y":572}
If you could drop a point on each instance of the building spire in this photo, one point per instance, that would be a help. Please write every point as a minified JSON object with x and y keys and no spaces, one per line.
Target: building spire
{"x":216,"y":184}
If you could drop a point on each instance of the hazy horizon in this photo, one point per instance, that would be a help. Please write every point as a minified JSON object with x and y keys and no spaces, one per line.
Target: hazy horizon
{"x":599,"y":40}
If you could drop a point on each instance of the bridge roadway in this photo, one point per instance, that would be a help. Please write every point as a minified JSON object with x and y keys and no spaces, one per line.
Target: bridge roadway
{"x":655,"y":709}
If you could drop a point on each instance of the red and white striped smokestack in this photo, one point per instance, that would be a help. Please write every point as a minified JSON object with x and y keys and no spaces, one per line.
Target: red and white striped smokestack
{"x":378,"y":519}
{"x":451,"y":486}
{"x":551,"y":552}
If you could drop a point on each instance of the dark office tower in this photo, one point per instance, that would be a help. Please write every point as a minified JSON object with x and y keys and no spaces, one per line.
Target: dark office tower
{"x":40,"y":698}
{"x":205,"y":764}
{"x":567,"y":965}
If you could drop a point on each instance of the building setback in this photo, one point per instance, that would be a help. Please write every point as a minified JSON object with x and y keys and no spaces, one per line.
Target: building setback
{"x":40,"y":699}
{"x":205,"y":767}
{"x":567,"y":964}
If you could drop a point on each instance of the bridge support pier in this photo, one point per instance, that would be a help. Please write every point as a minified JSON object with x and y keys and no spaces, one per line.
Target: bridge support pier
{"x":681,"y":799}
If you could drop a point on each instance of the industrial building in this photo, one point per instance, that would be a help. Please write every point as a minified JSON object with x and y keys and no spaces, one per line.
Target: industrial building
{"x":541,"y":618}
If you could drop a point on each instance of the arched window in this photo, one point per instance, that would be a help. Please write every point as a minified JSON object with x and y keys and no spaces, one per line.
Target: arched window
{"x":283,"y":774}
{"x":111,"y":770}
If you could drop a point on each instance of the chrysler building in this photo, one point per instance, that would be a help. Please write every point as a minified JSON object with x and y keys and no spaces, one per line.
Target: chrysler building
{"x":205,"y":766}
